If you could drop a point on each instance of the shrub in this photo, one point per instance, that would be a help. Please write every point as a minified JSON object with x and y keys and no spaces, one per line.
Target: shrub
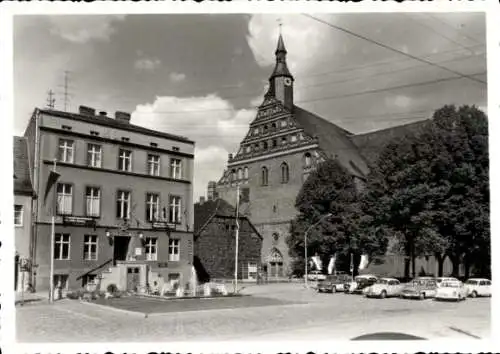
{"x":112,"y":288}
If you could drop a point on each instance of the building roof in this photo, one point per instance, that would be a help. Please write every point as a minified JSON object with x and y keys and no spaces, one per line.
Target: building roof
{"x":114,"y":123}
{"x":370,"y":144}
{"x":22,"y":177}
{"x":206,"y":211}
{"x":332,"y":140}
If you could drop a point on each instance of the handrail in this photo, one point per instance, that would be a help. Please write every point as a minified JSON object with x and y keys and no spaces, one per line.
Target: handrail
{"x":94,"y":269}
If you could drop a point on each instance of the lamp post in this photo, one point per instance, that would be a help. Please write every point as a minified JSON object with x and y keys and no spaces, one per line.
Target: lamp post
{"x":305,"y":244}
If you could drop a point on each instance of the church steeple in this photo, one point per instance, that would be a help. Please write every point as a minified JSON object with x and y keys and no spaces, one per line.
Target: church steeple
{"x":281,"y":80}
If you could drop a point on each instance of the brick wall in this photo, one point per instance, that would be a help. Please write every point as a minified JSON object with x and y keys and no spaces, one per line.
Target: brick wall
{"x":215,"y":248}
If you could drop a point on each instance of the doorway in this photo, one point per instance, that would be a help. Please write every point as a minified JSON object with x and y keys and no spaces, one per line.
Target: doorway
{"x":133,"y":278}
{"x":120,"y":248}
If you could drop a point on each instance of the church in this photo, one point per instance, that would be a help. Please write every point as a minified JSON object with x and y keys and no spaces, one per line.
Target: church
{"x":283,"y":145}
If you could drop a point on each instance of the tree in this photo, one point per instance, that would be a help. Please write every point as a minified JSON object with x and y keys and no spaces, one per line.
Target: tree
{"x":330,"y":189}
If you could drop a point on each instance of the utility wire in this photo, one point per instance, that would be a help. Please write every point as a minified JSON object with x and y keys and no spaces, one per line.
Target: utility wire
{"x":392,"y":49}
{"x":455,"y":29}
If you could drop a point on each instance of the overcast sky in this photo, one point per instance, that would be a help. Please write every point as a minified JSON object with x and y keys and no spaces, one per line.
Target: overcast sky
{"x":201,"y":76}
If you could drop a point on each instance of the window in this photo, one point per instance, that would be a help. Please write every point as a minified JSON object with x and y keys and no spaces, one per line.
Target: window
{"x":154,"y":165}
{"x":173,"y":250}
{"x":283,"y":140}
{"x":175,"y":210}
{"x":175,"y":148}
{"x":264,"y":176}
{"x":307,"y":160}
{"x":293,"y":138}
{"x":125,"y":139}
{"x":125,"y":160}
{"x":94,"y":155}
{"x":66,"y":127}
{"x":93,"y":201}
{"x":284,"y":173}
{"x":264,"y":145}
{"x":18,"y":215}
{"x":265,"y":129}
{"x":66,"y":149}
{"x":248,"y":149}
{"x":245,"y":173}
{"x":256,"y":131}
{"x":152,"y":206}
{"x":240,"y":174}
{"x":61,"y":281}
{"x":175,"y":168}
{"x":64,"y":199}
{"x":273,"y":126}
{"x":153,"y":144}
{"x":61,"y":247}
{"x":123,"y":205}
{"x":283,"y":123}
{"x":274,"y":143}
{"x":151,"y":253}
{"x":233,"y":175}
{"x":90,"y":247}
{"x":94,"y":133}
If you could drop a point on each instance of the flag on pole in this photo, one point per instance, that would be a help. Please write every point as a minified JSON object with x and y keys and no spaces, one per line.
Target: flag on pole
{"x":51,"y":181}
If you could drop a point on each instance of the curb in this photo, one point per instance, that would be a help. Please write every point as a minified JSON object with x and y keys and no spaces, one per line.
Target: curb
{"x":106,"y":307}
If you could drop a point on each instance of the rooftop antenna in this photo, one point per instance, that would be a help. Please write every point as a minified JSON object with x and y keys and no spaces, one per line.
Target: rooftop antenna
{"x":66,"y":94}
{"x":50,"y":100}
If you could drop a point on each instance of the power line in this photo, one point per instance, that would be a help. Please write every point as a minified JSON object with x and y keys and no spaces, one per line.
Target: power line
{"x":393,"y":49}
{"x":455,"y":29}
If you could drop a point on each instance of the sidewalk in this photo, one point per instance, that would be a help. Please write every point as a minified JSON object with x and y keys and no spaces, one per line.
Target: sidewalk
{"x":27,"y":298}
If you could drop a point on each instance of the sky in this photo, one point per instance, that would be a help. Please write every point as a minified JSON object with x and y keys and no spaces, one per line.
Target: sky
{"x":202,"y":76}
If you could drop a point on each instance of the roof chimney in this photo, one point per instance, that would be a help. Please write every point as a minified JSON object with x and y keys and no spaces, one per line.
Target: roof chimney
{"x":123,"y":117}
{"x":103,"y":113}
{"x":86,"y":111}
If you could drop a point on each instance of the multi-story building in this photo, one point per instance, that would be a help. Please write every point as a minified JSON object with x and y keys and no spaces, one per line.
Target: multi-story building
{"x":215,"y":242}
{"x":122,"y":203}
{"x":283,"y":145}
{"x":23,"y":195}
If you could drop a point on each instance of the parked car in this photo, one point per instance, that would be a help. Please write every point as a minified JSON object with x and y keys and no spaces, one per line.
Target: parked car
{"x":384,"y":287}
{"x":333,"y":283}
{"x":360,"y":283}
{"x":451,"y":290}
{"x":316,"y":275}
{"x":478,"y":287}
{"x":440,"y":280}
{"x":420,"y":288}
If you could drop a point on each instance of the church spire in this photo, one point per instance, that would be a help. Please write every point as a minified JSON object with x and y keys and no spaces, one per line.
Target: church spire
{"x":281,"y":80}
{"x":281,"y":69}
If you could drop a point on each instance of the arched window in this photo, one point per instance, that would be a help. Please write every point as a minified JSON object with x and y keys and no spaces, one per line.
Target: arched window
{"x":307,"y":160}
{"x":240,"y":173}
{"x":265,"y":129}
{"x":245,"y":173}
{"x":264,"y":145}
{"x":283,"y":140}
{"x":275,"y":143}
{"x":233,"y":175}
{"x":273,"y":126}
{"x":264,"y":176}
{"x":285,"y":175}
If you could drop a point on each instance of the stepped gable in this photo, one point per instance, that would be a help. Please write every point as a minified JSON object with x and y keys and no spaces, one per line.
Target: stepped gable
{"x":22,"y":178}
{"x":334,"y":141}
{"x":370,"y":144}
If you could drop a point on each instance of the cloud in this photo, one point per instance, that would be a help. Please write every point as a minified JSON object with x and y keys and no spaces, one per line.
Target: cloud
{"x":82,"y":29}
{"x":212,"y":122}
{"x":177,"y":77}
{"x":147,"y":64}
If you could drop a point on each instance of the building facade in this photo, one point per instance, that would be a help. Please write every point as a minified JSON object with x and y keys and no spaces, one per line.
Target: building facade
{"x":215,"y":243}
{"x":122,"y":203}
{"x":23,"y":197}
{"x":283,"y":145}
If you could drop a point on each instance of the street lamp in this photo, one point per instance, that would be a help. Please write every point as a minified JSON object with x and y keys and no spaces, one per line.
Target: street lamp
{"x":305,"y":243}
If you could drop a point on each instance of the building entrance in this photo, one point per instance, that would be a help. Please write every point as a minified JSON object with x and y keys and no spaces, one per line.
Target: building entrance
{"x":275,"y":264}
{"x":133,"y":278}
{"x":120,"y":248}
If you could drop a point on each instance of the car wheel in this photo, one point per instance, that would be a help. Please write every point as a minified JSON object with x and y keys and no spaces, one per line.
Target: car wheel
{"x":473,"y":294}
{"x":383,"y":294}
{"x":422,"y":296}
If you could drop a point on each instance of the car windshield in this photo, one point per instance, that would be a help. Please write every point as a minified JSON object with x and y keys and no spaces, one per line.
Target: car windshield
{"x":331,"y":277}
{"x":450,"y":284}
{"x":471,"y":282}
{"x":382,"y":281}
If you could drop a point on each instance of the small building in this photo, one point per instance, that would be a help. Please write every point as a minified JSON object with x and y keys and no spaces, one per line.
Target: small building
{"x":215,"y":242}
{"x":121,"y":203}
{"x":23,"y":196}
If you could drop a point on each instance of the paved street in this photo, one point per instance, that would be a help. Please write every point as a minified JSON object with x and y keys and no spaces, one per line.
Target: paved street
{"x":290,"y":313}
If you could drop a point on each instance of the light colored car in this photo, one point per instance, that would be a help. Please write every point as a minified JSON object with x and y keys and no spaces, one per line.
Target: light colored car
{"x":478,"y":287}
{"x":451,"y":290}
{"x":360,"y":283}
{"x":333,"y":283}
{"x":384,"y":287}
{"x":440,"y":280}
{"x":316,"y":275}
{"x":420,"y":288}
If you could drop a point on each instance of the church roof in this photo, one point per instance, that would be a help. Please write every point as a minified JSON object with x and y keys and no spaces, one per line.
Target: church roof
{"x":22,"y":177}
{"x":281,"y":45}
{"x":333,"y":140}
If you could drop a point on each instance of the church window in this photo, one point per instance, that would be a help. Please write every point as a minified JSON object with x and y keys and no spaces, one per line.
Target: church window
{"x":307,"y":160}
{"x":233,"y":175}
{"x":273,"y":126}
{"x":264,"y":176}
{"x":285,"y":175}
{"x":240,"y":173}
{"x":256,"y":147}
{"x":275,"y":143}
{"x":283,"y":123}
{"x":245,"y":173}
{"x":264,"y":145}
{"x":283,"y":140}
{"x":266,"y":128}
{"x":256,"y":131}
{"x":248,"y":149}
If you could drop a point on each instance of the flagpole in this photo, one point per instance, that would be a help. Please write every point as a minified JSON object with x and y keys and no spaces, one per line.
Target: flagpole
{"x":237,"y":239}
{"x":52,"y":242}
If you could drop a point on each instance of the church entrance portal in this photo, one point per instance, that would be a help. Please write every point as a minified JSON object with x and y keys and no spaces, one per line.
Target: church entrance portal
{"x":275,"y":264}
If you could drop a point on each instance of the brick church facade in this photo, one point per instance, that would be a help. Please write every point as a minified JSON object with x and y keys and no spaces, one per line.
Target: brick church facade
{"x":284,"y":143}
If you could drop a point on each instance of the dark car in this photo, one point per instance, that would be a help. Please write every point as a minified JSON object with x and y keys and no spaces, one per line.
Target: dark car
{"x":333,"y":283}
{"x":360,"y":283}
